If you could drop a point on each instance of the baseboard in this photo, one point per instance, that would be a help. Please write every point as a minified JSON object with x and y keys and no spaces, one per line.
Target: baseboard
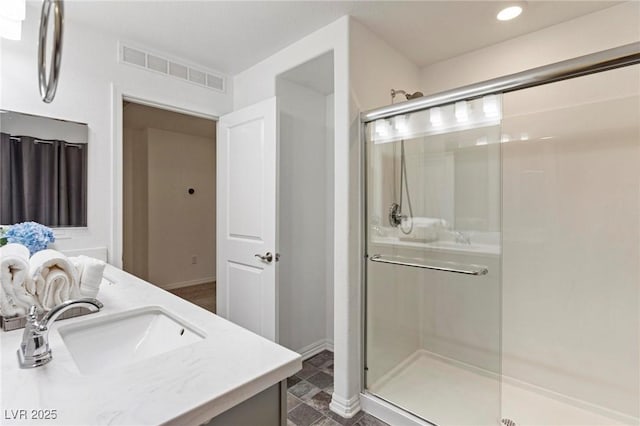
{"x":346,"y":408}
{"x":389,"y":413}
{"x":173,"y":286}
{"x":315,"y":348}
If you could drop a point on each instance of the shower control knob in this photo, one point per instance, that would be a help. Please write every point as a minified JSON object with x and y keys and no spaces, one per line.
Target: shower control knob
{"x":268,"y":257}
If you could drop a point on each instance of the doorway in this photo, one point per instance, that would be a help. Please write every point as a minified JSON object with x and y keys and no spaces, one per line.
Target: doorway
{"x":276,"y":211}
{"x":169,"y":207}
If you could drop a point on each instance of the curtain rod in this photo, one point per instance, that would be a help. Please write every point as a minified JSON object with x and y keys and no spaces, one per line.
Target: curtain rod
{"x":622,"y":56}
{"x":48,"y":142}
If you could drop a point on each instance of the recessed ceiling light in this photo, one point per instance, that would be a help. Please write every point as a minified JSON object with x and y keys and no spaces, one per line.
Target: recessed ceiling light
{"x":508,"y":13}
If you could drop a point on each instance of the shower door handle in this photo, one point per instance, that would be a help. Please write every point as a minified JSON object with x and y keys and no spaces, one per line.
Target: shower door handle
{"x":268,"y":257}
{"x":435,"y":265}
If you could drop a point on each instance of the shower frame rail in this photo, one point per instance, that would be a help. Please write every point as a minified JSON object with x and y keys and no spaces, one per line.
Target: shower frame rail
{"x":450,"y":266}
{"x":622,"y":56}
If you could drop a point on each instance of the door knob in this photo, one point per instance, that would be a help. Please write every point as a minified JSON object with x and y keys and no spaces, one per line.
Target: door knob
{"x":268,"y":258}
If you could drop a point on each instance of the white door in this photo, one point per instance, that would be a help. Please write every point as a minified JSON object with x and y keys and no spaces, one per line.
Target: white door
{"x":246,"y":205}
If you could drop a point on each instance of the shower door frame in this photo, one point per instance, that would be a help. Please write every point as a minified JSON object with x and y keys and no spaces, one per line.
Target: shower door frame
{"x":606,"y":60}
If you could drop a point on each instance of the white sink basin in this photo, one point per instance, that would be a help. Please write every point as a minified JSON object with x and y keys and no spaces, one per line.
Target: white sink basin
{"x":122,"y":339}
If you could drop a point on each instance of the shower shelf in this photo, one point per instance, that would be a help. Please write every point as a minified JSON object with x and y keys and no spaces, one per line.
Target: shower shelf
{"x":436,"y":265}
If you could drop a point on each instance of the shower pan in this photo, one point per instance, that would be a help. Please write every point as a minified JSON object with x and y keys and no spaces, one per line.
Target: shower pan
{"x":514,"y":296}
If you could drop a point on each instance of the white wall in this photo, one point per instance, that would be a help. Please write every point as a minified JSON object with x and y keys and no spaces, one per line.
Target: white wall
{"x":329,"y":231}
{"x":375,"y":69}
{"x":258,"y":83}
{"x":181,"y":225}
{"x":165,"y":154}
{"x":304,"y":217}
{"x":90,"y":76}
{"x":605,"y":29}
{"x":135,"y":202}
{"x":571,"y":238}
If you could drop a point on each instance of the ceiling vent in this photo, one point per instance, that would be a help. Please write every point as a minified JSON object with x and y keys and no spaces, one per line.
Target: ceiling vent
{"x":171,"y":67}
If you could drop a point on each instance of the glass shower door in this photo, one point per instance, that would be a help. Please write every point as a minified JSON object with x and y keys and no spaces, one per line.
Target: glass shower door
{"x":433,"y":269}
{"x":571,"y":265}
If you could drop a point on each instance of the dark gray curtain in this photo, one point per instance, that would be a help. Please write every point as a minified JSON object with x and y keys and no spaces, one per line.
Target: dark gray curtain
{"x":42,"y":181}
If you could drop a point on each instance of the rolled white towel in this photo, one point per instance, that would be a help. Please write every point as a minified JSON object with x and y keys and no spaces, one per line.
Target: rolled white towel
{"x":54,"y":279}
{"x":14,"y":280}
{"x":90,"y":271}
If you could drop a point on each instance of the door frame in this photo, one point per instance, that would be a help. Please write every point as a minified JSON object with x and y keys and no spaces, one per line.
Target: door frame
{"x":118,"y":96}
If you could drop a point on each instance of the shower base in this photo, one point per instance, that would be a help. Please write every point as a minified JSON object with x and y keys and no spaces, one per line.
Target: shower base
{"x":447,"y":392}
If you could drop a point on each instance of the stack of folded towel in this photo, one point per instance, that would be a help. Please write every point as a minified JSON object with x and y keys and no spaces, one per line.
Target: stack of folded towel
{"x":14,"y":274}
{"x":46,"y":279}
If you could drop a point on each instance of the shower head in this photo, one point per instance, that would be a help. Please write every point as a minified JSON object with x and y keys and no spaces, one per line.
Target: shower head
{"x":409,"y":96}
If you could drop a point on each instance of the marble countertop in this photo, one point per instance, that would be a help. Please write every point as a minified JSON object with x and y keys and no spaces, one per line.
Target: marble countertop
{"x":187,"y":386}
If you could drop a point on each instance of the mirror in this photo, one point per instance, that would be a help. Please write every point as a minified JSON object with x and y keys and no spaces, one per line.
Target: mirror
{"x":43,"y":170}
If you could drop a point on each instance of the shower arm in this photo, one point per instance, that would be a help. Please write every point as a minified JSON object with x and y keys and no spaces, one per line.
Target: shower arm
{"x":409,"y":96}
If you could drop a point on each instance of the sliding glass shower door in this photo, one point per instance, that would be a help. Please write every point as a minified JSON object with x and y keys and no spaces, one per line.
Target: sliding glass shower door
{"x":433,"y":288}
{"x":503,"y":256}
{"x":571,"y":253}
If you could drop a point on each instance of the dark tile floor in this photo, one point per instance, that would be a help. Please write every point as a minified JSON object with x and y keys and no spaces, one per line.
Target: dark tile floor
{"x":309,"y":395}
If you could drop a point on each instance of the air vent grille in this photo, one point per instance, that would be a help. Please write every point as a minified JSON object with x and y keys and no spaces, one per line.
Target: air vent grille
{"x":215,"y":82}
{"x":157,"y":64}
{"x":197,"y":77}
{"x":134,"y":56}
{"x":164,"y":64}
{"x":179,"y":71}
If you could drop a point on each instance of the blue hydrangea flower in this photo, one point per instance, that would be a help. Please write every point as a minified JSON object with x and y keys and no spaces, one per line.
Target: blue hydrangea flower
{"x":32,"y":235}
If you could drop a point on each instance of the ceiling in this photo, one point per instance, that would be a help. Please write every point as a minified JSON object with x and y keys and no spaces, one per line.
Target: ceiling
{"x":230,"y":36}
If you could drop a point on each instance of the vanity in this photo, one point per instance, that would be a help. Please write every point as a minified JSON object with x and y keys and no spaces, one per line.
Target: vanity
{"x":147,"y":358}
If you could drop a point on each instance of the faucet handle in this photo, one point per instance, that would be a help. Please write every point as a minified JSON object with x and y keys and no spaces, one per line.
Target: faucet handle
{"x":32,"y":315}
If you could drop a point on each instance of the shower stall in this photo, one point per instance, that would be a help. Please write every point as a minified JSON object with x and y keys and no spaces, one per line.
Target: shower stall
{"x":502,"y":281}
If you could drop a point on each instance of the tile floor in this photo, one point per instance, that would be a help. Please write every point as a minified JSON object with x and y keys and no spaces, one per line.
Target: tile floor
{"x":309,"y":395}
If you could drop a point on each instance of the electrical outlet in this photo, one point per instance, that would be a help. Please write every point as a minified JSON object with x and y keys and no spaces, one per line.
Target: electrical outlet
{"x":194,"y":260}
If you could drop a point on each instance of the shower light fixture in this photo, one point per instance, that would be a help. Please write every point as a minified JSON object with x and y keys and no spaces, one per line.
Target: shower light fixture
{"x":490,"y":106}
{"x":382,"y":128}
{"x":12,"y":13}
{"x":462,"y":113}
{"x":400,"y":123}
{"x":435,"y":116}
{"x":509,"y":13}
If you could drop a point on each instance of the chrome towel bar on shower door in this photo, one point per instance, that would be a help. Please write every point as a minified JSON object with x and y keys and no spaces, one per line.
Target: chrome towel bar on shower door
{"x":436,"y":265}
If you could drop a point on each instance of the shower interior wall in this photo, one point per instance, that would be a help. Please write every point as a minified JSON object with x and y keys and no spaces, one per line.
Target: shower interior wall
{"x":407,"y":316}
{"x":536,"y":323}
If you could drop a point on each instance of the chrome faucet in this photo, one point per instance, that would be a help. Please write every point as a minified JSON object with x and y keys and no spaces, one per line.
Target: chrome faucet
{"x":462,"y":238}
{"x":34,"y":350}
